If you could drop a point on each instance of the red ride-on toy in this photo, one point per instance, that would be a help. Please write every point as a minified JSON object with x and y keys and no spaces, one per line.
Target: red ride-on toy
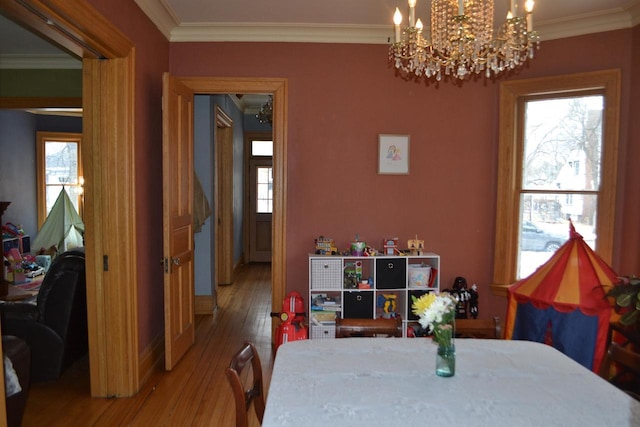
{"x":292,"y":316}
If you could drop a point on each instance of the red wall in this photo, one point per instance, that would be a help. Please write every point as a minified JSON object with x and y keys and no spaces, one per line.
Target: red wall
{"x":342,"y":96}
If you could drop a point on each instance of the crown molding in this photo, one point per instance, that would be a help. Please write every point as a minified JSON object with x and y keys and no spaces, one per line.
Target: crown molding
{"x":20,"y":61}
{"x":277,"y":32}
{"x":609,"y":20}
{"x":160,"y":14}
{"x":578,"y":25}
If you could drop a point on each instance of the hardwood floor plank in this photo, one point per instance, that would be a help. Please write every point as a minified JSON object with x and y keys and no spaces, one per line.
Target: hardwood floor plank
{"x":195,"y":393}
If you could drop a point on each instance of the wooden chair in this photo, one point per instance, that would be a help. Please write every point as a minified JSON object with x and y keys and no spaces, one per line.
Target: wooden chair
{"x":627,"y":364}
{"x":479,"y":328}
{"x":380,"y":327}
{"x":255,"y":394}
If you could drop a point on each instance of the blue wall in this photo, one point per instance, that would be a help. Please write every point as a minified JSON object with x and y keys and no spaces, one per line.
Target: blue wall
{"x":18,"y":162}
{"x":204,"y":254}
{"x":204,"y":161}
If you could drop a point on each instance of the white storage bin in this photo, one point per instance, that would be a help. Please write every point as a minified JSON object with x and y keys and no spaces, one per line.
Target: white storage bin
{"x":326,"y":274}
{"x":323,"y":332}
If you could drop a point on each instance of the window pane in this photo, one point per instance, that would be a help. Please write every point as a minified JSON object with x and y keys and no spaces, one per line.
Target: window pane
{"x":545,"y":225}
{"x":264,"y":202}
{"x":563,"y":144}
{"x":61,"y":162}
{"x":262,"y":148}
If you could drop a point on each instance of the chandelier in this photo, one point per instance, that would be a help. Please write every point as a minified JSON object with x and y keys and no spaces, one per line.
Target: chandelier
{"x":462,"y":40}
{"x":265,"y":115}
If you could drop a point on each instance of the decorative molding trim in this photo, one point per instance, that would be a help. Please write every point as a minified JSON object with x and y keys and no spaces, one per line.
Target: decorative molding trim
{"x":273,"y":32}
{"x":39,"y":102}
{"x":18,"y":61}
{"x":609,"y":20}
{"x":160,"y":14}
{"x":203,"y":304}
{"x":175,"y":31}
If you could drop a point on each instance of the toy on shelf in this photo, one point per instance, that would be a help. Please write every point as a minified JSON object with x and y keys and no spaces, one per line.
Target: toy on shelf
{"x":391,"y":246}
{"x":388,"y":304}
{"x":416,"y":247}
{"x":325,"y":246}
{"x":358,"y":247}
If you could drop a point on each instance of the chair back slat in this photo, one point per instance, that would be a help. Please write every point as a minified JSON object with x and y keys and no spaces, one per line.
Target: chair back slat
{"x":245,"y":397}
{"x":479,"y":328}
{"x":621,"y":367}
{"x":380,"y":327}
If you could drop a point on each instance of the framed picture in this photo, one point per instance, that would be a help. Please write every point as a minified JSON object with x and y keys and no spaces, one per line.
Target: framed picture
{"x":393,"y":154}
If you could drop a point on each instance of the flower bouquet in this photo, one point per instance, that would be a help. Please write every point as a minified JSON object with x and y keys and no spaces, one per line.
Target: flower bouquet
{"x":437,"y":313}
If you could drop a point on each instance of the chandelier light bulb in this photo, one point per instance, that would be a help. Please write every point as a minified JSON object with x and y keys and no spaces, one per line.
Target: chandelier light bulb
{"x":528,"y":6}
{"x":397,"y":20}
{"x":397,"y":17}
{"x":419,"y":25}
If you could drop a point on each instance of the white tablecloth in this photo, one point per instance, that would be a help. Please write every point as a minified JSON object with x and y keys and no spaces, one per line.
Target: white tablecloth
{"x":373,"y":382}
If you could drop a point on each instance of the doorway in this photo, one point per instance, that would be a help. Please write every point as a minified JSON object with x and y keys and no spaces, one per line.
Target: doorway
{"x":278,"y":88}
{"x":116,"y":363}
{"x":259,"y":192}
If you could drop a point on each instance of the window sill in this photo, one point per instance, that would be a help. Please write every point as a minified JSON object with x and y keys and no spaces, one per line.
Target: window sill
{"x":499,"y":290}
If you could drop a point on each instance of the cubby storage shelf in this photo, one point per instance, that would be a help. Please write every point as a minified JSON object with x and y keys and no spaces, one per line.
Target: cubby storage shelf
{"x":367,"y":287}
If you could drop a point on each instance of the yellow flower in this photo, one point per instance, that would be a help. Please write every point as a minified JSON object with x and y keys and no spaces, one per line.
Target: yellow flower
{"x":420,"y":305}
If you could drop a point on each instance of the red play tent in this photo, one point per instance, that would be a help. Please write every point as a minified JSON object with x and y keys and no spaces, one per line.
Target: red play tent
{"x":563,"y":303}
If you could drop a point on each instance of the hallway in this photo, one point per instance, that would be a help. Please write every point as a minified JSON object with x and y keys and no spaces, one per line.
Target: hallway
{"x":195,"y":393}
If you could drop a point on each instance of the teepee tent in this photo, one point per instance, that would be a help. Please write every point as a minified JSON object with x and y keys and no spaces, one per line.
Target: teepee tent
{"x":563,"y":303}
{"x":62,"y":228}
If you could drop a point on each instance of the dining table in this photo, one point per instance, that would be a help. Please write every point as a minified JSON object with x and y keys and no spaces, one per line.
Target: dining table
{"x":373,"y":382}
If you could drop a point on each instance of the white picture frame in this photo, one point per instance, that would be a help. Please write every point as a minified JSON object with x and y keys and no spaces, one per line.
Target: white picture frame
{"x":393,"y":154}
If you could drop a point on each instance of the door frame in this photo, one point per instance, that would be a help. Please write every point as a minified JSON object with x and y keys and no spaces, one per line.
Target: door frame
{"x":278,"y":87}
{"x":223,"y":196}
{"x":108,"y":156}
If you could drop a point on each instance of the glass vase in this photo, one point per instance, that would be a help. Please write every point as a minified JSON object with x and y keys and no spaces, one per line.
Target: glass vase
{"x":446,"y":360}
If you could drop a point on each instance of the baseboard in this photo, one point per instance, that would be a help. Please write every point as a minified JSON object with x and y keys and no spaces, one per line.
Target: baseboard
{"x":204,"y":304}
{"x":151,"y":359}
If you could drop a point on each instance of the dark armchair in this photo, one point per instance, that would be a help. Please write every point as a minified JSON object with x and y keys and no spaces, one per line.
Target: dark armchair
{"x":53,"y":323}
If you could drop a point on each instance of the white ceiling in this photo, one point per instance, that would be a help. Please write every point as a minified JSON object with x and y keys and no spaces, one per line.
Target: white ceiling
{"x":328,"y":21}
{"x":357,"y":21}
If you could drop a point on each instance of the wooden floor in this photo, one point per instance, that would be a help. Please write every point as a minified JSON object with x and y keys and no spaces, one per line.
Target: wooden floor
{"x":195,"y":393}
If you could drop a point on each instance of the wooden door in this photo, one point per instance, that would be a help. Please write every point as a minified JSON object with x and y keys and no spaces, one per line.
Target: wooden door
{"x":261,"y":208}
{"x":177,"y":163}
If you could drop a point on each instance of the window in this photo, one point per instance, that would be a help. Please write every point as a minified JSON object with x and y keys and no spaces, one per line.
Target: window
{"x":261,"y":148}
{"x":557,"y":157}
{"x":265,"y":190}
{"x":59,"y":166}
{"x":264,"y":175}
